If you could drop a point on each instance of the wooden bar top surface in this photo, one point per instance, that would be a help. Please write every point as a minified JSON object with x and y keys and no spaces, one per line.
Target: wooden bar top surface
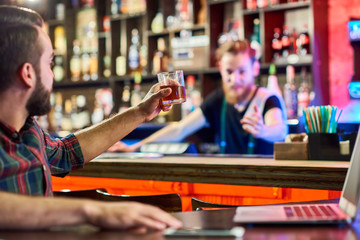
{"x":221,"y":169}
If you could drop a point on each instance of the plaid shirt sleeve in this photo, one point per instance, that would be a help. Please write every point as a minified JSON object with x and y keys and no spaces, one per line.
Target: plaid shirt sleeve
{"x":63,"y":154}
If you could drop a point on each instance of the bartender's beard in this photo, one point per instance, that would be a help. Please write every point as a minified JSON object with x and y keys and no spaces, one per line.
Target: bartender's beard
{"x":237,"y":96}
{"x":39,"y":102}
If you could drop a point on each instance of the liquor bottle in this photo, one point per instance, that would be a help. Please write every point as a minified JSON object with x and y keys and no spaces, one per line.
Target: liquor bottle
{"x":285,"y":41}
{"x":123,"y":6}
{"x":136,"y":94}
{"x":161,"y":57}
{"x":60,"y":40}
{"x":276,"y":43}
{"x":97,"y":114}
{"x":120,"y":65}
{"x":290,"y":93}
{"x":66,"y":123}
{"x":251,"y":4}
{"x":107,"y":66}
{"x":134,"y":52}
{"x":255,"y":39}
{"x":82,"y":113}
{"x":273,"y":2}
{"x":93,"y":69}
{"x":304,"y":92}
{"x":157,"y":24}
{"x":114,"y":7}
{"x":304,"y":41}
{"x":85,"y":61}
{"x":202,"y":14}
{"x":272,"y":83}
{"x":58,"y":69}
{"x":58,"y":112}
{"x":125,"y":98}
{"x":193,"y":99}
{"x":184,"y":12}
{"x":75,"y":62}
{"x":143,"y":59}
{"x":262,"y":3}
{"x":293,"y":40}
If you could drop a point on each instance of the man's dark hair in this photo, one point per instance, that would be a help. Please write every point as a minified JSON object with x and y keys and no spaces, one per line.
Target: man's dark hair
{"x":19,"y":43}
{"x":15,"y":14}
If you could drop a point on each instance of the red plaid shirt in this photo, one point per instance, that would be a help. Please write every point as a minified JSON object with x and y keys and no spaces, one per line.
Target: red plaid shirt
{"x":28,"y":158}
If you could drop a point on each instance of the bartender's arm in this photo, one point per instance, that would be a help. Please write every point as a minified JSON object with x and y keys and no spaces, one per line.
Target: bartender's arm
{"x":174,"y":132}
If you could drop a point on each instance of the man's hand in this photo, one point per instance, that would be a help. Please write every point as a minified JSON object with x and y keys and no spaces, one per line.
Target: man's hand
{"x":128,"y":216}
{"x":151,"y":104}
{"x":254,"y":123}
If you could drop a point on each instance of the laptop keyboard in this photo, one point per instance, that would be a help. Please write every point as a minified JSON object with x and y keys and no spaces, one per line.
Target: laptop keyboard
{"x":310,"y":211}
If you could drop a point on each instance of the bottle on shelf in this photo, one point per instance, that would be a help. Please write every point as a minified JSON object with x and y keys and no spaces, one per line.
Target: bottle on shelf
{"x":143,"y":59}
{"x":98,"y":113}
{"x":184,"y":12}
{"x":125,"y":98}
{"x":293,"y":40}
{"x":290,"y":93}
{"x":136,"y":94}
{"x":273,"y":2}
{"x":276,"y":43}
{"x":93,"y":68}
{"x":66,"y":123}
{"x":272,"y":83}
{"x":255,"y":39}
{"x":251,"y":4}
{"x":81,"y":113}
{"x":304,"y":92}
{"x":304,"y":41}
{"x":114,"y":7}
{"x":107,"y":66}
{"x":134,"y":52}
{"x":120,"y":65}
{"x":285,"y":41}
{"x":160,"y":58}
{"x":58,"y":68}
{"x":75,"y":62}
{"x":157,"y":24}
{"x":57,"y":112}
{"x":60,"y":40}
{"x":85,"y":61}
{"x":193,"y":99}
{"x":202,"y":14}
{"x":262,"y":3}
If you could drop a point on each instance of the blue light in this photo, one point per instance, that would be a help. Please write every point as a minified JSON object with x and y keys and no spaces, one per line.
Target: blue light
{"x":354,"y":90}
{"x":354,"y":30}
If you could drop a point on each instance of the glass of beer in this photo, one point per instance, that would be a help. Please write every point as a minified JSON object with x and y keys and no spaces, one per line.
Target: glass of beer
{"x":175,"y":81}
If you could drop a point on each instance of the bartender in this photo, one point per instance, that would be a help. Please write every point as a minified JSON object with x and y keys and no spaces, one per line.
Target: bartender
{"x":246,"y":118}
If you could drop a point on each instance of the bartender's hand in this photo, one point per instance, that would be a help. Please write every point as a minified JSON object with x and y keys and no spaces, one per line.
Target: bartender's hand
{"x":129,"y":216}
{"x":254,"y":123}
{"x":151,"y":104}
{"x":122,"y":147}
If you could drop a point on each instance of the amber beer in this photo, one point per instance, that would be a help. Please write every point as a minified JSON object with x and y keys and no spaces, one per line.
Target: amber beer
{"x":175,"y":81}
{"x":177,"y":95}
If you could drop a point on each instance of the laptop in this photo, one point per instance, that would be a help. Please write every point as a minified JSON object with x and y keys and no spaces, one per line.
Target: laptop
{"x":343,"y":212}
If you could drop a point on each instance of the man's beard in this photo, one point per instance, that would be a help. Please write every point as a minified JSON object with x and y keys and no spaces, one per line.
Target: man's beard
{"x":232,"y":97}
{"x":39,"y":102}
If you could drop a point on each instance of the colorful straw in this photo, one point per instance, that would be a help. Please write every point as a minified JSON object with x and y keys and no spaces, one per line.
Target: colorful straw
{"x":321,"y":119}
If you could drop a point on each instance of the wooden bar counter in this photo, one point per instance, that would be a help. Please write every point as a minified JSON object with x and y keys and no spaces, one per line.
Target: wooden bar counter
{"x":260,"y":171}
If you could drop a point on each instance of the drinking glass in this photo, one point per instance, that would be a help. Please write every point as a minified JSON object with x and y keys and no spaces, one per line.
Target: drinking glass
{"x":175,"y":81}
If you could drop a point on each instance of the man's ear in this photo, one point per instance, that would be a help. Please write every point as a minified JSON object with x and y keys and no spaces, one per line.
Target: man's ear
{"x":27,"y":75}
{"x":256,"y":68}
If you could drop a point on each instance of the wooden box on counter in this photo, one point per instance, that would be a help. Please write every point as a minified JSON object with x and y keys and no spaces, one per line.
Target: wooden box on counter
{"x":291,"y":151}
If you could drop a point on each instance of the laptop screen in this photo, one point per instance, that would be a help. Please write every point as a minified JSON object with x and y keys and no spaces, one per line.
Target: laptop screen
{"x":350,"y":195}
